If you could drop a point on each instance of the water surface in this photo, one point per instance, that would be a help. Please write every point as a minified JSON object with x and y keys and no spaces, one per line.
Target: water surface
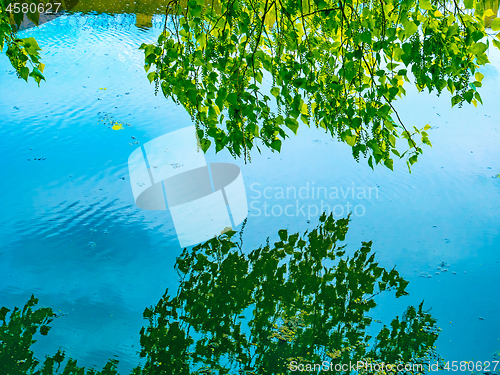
{"x":71,"y":234}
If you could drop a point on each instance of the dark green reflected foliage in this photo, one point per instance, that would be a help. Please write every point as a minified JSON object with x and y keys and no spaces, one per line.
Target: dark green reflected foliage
{"x":302,"y":300}
{"x":16,"y":337}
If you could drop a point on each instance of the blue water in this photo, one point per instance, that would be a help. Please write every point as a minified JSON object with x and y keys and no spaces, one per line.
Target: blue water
{"x":71,"y":234}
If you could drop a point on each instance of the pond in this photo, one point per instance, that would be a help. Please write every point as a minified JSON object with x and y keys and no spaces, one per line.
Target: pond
{"x":72,"y":235}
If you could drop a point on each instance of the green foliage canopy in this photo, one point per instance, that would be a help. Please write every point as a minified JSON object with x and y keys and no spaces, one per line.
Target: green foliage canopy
{"x":336,"y":64}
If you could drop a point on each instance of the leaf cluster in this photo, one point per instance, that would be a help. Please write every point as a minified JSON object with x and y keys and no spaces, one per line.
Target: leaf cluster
{"x":23,"y":53}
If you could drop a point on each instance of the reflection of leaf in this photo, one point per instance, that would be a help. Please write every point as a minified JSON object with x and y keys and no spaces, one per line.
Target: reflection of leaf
{"x":226,"y":229}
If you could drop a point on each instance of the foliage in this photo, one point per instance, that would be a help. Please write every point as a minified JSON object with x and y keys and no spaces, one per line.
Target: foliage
{"x":16,"y":337}
{"x":338,"y":64}
{"x":23,"y":53}
{"x":299,"y":300}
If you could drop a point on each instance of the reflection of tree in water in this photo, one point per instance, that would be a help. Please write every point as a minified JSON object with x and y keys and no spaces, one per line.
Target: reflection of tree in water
{"x":299,"y":301}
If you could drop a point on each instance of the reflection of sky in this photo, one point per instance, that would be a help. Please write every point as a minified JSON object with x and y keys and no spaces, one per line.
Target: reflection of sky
{"x":55,"y":210}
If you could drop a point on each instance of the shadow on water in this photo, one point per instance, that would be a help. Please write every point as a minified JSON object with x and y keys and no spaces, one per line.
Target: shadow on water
{"x":294,"y":305}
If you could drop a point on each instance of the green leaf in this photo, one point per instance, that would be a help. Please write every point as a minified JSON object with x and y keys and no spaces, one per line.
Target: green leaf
{"x":468,"y":96}
{"x":205,"y":144}
{"x":191,"y":94}
{"x":478,"y":48}
{"x":151,"y":76}
{"x":275,"y":91}
{"x":24,"y":73}
{"x":455,"y":100}
{"x":350,"y":140}
{"x":283,"y":233}
{"x":370,"y":162}
{"x":392,"y":66}
{"x":410,"y":28}
{"x":232,"y":98}
{"x":495,"y":25}
{"x":469,"y":4}
{"x":44,"y":330}
{"x":37,"y":75}
{"x":253,"y":129}
{"x":31,"y":45}
{"x":276,"y":145}
{"x":292,"y":124}
{"x":425,"y":4}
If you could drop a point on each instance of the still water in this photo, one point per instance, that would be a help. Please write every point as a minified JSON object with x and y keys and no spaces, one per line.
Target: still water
{"x":70,"y":232}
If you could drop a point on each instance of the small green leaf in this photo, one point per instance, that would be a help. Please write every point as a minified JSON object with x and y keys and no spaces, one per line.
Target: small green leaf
{"x":468,"y":95}
{"x":283,"y":233}
{"x":426,"y":4}
{"x":44,"y":330}
{"x":31,"y":45}
{"x":455,"y":100}
{"x":205,"y":144}
{"x":469,"y":4}
{"x":24,"y":73}
{"x":292,"y":124}
{"x":350,"y":140}
{"x":276,"y":145}
{"x":410,"y":28}
{"x":478,"y":48}
{"x":232,"y":98}
{"x":275,"y":91}
{"x":151,"y":76}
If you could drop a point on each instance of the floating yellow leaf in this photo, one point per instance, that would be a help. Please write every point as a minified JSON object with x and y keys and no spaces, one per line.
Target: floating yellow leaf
{"x":117,"y":127}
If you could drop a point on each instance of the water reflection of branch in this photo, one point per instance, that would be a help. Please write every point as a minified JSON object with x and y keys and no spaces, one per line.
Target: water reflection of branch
{"x":299,"y":299}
